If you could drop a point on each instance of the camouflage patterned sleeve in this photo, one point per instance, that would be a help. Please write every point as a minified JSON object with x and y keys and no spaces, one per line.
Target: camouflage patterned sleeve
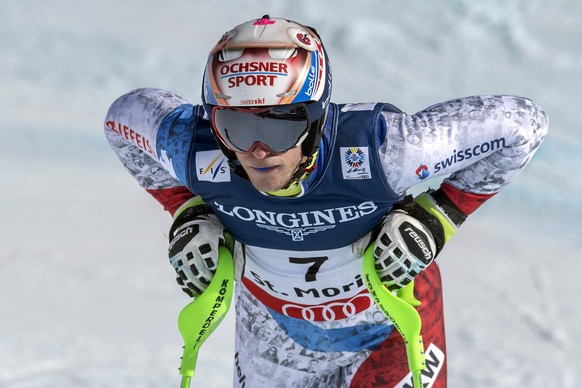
{"x":131,"y":127}
{"x":483,"y":142}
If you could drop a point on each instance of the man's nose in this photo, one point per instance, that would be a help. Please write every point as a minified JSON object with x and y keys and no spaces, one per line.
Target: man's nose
{"x":260,"y":150}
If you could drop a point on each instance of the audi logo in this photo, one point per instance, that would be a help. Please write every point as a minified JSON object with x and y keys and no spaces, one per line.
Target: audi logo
{"x":330,"y":311}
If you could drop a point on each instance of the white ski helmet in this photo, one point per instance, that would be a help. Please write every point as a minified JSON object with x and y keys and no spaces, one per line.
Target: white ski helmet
{"x":270,"y":68}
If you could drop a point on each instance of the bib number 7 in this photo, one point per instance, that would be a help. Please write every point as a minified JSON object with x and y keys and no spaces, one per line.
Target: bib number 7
{"x":316,"y":263}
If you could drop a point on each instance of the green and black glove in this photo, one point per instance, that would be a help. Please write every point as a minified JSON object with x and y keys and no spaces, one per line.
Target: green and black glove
{"x":412,"y":235}
{"x":194,"y":237}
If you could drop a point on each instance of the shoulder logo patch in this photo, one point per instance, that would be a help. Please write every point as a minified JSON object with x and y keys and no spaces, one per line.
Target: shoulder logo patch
{"x":212,"y":166}
{"x":355,"y":163}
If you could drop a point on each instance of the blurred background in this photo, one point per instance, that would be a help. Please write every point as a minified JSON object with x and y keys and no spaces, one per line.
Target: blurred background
{"x":87,"y":297}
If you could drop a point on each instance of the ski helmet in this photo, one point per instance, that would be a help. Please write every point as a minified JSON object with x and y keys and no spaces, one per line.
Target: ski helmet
{"x":267,"y":68}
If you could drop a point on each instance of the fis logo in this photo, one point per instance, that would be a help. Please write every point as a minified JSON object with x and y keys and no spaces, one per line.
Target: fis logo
{"x":212,"y":166}
{"x":355,"y":163}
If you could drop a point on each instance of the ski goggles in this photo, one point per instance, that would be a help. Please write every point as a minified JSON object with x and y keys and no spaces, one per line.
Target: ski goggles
{"x":279,"y":127}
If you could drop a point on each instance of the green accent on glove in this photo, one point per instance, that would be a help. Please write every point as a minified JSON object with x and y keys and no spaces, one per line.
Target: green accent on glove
{"x":200,"y":317}
{"x":428,"y":204}
{"x":404,"y":317}
{"x":192,"y":202}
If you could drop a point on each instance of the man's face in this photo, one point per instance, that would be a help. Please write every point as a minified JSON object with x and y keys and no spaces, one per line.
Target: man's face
{"x":267,"y":170}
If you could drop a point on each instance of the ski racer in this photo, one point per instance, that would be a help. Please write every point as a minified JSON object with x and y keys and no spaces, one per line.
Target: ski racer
{"x":297,"y":187}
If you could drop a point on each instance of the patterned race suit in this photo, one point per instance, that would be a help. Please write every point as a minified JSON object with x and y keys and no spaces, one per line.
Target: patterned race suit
{"x":303,"y":315}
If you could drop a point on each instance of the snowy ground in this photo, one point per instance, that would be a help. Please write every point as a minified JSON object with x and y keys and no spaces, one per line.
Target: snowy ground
{"x":87,"y":298}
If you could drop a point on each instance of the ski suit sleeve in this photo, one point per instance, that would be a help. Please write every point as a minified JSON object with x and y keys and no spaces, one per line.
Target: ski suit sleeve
{"x":481,"y":142}
{"x":131,"y":127}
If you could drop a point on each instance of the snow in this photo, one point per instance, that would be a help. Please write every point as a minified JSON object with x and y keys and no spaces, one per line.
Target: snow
{"x":87,"y":297}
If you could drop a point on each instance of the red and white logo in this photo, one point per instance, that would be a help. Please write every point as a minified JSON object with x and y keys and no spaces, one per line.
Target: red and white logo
{"x":258,"y":75}
{"x":329,"y":311}
{"x":434,"y":359}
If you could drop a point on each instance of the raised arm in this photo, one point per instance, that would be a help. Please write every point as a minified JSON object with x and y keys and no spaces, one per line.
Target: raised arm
{"x":131,"y":127}
{"x":483,"y":142}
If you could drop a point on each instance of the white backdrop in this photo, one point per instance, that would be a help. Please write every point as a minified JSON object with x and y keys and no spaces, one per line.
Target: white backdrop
{"x":87,"y":297}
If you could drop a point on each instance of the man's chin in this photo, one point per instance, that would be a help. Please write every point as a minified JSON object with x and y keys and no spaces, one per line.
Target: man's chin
{"x":267,"y":187}
{"x":267,"y":183}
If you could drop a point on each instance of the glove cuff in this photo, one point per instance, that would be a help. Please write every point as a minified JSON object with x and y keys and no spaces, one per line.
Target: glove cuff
{"x":448,"y":207}
{"x":190,"y":210}
{"x":449,"y":217}
{"x":428,"y":218}
{"x":192,"y":202}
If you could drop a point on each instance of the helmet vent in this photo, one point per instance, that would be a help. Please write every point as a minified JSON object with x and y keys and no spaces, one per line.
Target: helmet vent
{"x":230,"y":54}
{"x":287,"y":94}
{"x":282,"y":53}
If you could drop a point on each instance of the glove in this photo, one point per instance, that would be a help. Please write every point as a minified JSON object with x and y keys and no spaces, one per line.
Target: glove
{"x":411,"y":236}
{"x":194,"y":237}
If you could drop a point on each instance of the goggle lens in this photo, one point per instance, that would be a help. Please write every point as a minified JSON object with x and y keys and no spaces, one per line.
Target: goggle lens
{"x":280,"y":127}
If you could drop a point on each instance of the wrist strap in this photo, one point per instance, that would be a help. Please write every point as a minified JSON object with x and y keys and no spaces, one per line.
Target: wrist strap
{"x":427,"y":202}
{"x":448,"y":207}
{"x":428,"y":218}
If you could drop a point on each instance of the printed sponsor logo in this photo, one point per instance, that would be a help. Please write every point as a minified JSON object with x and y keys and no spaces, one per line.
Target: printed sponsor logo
{"x":312,"y":292}
{"x":176,"y":240}
{"x":218,"y":301}
{"x":329,"y":311}
{"x":422,"y":172}
{"x":411,"y":237}
{"x":311,"y":81}
{"x":255,"y":101}
{"x":355,"y":163}
{"x":303,"y":38}
{"x":434,"y":358}
{"x":212,"y":166}
{"x":298,"y":225}
{"x":239,"y":373}
{"x":253,"y":73}
{"x":245,"y":67}
{"x":329,"y":292}
{"x":468,"y":153}
{"x":131,"y":135}
{"x":297,"y":234}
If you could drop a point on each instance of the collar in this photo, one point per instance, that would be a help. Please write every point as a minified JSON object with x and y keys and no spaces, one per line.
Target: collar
{"x":295,"y":187}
